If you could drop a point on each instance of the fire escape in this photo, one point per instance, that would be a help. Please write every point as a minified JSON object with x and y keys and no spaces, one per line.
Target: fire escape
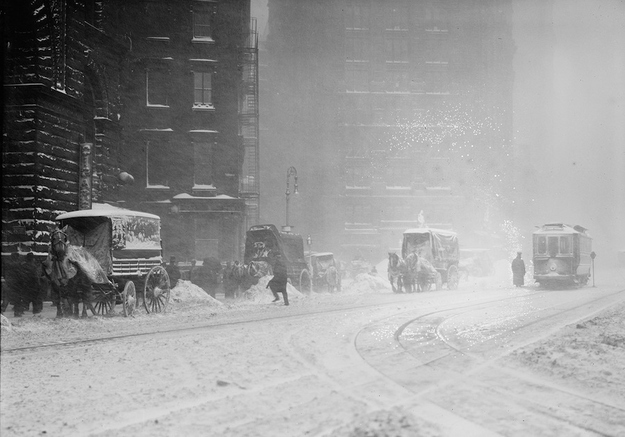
{"x":249,"y":184}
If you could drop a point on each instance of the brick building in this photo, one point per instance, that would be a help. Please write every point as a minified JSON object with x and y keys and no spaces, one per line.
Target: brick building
{"x":151,"y":88}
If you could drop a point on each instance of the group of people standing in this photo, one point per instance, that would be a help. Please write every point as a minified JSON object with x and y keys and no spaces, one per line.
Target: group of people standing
{"x":24,"y":284}
{"x":211,"y":276}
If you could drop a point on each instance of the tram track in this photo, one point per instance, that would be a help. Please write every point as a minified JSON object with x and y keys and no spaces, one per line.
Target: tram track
{"x":476,"y":375}
{"x":51,"y":346}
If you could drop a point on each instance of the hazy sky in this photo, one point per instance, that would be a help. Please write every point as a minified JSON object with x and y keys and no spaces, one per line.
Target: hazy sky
{"x":570,"y":110}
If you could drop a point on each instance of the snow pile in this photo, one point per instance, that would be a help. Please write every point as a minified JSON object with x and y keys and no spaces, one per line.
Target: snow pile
{"x":187,"y":291}
{"x":367,"y":283}
{"x":259,"y":293}
{"x":5,"y":323}
{"x":588,"y":355}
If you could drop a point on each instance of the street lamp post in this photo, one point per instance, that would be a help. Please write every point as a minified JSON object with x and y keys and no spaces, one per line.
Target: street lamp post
{"x":290,"y":172}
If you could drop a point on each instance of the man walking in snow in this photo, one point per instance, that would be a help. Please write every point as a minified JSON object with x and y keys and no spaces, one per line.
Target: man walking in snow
{"x":277,"y":284}
{"x":518,"y":270}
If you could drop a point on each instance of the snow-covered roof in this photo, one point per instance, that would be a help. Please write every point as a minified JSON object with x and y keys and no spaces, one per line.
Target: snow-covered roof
{"x":218,"y":197}
{"x":105,"y":210}
{"x":315,"y":254}
{"x":429,"y":230}
{"x":550,"y":228}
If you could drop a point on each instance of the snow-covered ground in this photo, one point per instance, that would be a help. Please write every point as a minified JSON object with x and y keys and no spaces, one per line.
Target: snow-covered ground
{"x":248,"y":367}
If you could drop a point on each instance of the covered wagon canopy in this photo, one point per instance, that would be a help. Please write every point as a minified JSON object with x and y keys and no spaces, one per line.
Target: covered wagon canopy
{"x":431,"y":243}
{"x":130,"y":234}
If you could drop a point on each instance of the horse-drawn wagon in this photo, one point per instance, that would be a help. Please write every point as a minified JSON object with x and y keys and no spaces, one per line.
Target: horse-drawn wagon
{"x":436,"y":249}
{"x":118,"y":251}
{"x":325,"y":273}
{"x":262,"y":241}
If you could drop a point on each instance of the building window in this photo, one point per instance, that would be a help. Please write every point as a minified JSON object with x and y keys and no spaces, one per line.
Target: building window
{"x":357,"y":177}
{"x":356,"y":48}
{"x":202,"y":90}
{"x":158,"y":164}
{"x":396,"y":79}
{"x":356,"y":78}
{"x":156,"y":82}
{"x":203,"y":25}
{"x":357,"y":16}
{"x":397,"y":18}
{"x":396,"y":49}
{"x":202,"y":164}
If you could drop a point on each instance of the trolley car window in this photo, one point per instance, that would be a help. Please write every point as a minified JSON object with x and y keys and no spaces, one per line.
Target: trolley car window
{"x":542,"y":244}
{"x":565,"y":245}
{"x":552,"y":244}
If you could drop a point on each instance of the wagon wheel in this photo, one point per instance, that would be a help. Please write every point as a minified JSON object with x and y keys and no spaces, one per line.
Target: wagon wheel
{"x":129,"y":298}
{"x":452,"y":278}
{"x":305,"y":282}
{"x":102,"y":302}
{"x":156,"y":290}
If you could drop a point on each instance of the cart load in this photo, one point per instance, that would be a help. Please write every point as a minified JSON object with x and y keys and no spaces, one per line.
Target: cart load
{"x":439,"y":248}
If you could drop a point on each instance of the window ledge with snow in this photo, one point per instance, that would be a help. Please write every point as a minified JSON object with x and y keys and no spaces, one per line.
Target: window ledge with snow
{"x":156,"y":105}
{"x":203,"y":40}
{"x":201,"y":187}
{"x":157,"y":187}
{"x":203,"y":107}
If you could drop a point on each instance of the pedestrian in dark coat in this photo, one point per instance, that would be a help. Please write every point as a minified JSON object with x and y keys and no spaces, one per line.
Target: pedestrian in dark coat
{"x":277,"y":284}
{"x":229,"y":280}
{"x":518,"y":271}
{"x":12,"y":276}
{"x":31,"y":283}
{"x":173,"y":271}
{"x":206,"y":277}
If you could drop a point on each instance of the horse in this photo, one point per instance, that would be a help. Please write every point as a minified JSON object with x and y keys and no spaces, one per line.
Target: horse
{"x":410,"y":272}
{"x":396,"y":267}
{"x":243,"y":276}
{"x":72,"y":270}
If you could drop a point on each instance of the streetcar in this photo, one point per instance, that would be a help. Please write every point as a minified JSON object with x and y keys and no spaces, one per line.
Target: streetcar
{"x":561,"y":255}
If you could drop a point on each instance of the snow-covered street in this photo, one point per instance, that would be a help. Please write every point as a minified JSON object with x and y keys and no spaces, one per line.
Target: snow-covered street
{"x":486,"y":359}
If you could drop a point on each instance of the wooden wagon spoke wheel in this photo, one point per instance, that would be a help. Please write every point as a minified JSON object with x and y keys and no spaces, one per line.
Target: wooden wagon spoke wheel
{"x":156,"y":290}
{"x":102,"y":302}
{"x":452,"y":278}
{"x":129,"y":298}
{"x":305,"y":282}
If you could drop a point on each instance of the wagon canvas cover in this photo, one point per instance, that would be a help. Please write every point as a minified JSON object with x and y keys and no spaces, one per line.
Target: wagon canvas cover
{"x":107,"y":229}
{"x":442,"y":244}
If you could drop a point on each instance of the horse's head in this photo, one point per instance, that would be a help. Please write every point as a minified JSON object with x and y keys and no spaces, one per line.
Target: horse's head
{"x":393,"y":259}
{"x":58,"y":242}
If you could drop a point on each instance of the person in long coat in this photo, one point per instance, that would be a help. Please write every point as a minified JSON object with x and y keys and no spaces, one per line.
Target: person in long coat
{"x":277,"y":284}
{"x":518,"y":271}
{"x":31,"y":283}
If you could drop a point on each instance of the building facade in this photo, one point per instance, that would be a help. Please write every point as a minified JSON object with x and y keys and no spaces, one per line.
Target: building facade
{"x":391,"y":110}
{"x":61,"y":116}
{"x":154,"y":89}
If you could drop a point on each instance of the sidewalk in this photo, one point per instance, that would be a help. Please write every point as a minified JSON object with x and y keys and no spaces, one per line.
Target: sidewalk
{"x":49,"y":312}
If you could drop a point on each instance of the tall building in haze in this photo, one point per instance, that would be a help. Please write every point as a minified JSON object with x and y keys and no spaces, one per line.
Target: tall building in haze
{"x":387,"y":109}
